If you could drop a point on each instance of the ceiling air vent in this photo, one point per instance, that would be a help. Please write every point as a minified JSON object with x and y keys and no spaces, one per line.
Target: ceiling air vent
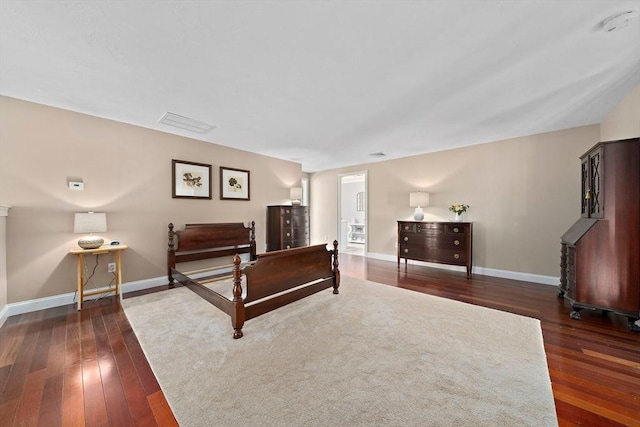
{"x":378,"y":154}
{"x":186,"y":123}
{"x":619,"y":21}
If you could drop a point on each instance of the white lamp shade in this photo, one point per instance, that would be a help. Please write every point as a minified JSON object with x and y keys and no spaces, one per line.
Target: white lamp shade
{"x":295,"y":194}
{"x":418,"y":199}
{"x":90,"y":222}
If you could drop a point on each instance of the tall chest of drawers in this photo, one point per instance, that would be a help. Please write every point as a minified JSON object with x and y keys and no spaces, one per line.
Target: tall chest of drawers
{"x":287,"y":227}
{"x":437,"y":242}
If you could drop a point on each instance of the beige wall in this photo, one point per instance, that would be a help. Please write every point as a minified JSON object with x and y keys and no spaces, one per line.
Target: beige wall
{"x":127,"y":173}
{"x":523,"y":192}
{"x":624,"y":121}
{"x":4,"y":211}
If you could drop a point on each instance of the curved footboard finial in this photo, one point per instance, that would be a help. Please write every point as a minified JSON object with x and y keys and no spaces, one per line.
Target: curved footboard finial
{"x":237,"y":315}
{"x":336,"y":270}
{"x":171,"y":256}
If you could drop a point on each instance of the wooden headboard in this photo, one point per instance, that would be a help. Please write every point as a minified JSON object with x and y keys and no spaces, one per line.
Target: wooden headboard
{"x":204,"y":241}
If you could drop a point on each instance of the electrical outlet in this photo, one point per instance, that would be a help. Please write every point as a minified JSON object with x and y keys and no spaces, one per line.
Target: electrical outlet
{"x":111,"y":267}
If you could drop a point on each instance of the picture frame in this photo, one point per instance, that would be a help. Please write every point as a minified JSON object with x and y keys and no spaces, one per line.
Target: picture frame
{"x":360,"y":201}
{"x":234,"y":184}
{"x":190,"y":180}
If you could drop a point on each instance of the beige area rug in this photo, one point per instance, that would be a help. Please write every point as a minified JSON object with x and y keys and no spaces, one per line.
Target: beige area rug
{"x":374,"y":355}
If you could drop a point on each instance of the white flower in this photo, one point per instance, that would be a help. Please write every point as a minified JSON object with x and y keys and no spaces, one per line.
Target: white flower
{"x":459,"y":208}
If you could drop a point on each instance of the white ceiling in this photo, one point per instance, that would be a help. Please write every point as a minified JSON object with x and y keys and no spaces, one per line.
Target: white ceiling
{"x":326,"y":83}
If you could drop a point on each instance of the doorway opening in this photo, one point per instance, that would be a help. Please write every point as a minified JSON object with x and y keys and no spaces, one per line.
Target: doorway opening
{"x":352,"y":213}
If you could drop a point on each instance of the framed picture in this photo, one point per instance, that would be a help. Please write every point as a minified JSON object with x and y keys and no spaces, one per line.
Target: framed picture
{"x":190,"y":180}
{"x":234,"y":184}
{"x":360,"y":201}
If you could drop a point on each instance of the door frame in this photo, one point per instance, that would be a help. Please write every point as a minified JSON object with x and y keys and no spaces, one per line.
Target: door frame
{"x":341,"y":176}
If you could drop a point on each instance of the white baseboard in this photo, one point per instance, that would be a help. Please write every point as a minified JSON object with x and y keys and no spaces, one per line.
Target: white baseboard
{"x":70,"y":298}
{"x":493,"y":272}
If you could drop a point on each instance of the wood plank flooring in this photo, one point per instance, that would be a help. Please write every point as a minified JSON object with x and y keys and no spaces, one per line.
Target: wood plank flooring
{"x":60,"y":367}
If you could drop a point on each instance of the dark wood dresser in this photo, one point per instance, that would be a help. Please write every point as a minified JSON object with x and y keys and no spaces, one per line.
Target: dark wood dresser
{"x":287,"y":227}
{"x":438,"y":242}
{"x":600,"y":253}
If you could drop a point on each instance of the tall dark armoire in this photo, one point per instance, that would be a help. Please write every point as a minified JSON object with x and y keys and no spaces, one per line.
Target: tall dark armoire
{"x":287,"y":227}
{"x":600,"y":253}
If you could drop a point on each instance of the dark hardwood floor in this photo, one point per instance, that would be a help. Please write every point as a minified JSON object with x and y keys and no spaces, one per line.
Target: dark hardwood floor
{"x":60,"y":367}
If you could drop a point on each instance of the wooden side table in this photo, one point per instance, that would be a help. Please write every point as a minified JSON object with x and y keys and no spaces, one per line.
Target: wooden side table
{"x":116,"y":249}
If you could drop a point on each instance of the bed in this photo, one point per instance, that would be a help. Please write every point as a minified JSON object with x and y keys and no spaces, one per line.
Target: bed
{"x":271,"y":280}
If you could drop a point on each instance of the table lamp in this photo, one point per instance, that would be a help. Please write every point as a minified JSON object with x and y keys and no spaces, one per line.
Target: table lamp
{"x":418,"y":200}
{"x":295,"y":194}
{"x":90,"y":222}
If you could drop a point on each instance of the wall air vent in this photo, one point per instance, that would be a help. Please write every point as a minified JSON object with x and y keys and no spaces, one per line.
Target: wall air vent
{"x":378,"y":154}
{"x":185,"y":123}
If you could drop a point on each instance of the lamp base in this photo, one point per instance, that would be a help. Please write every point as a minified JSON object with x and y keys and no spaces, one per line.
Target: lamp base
{"x":90,"y":242}
{"x":418,"y":215}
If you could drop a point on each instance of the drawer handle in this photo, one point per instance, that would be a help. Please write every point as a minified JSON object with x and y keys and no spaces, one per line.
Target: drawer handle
{"x":288,"y":222}
{"x":406,"y":251}
{"x":456,"y":256}
{"x":287,"y":211}
{"x":406,"y":239}
{"x":456,"y":242}
{"x":406,"y":227}
{"x":456,"y":229}
{"x":288,"y":247}
{"x":288,"y":234}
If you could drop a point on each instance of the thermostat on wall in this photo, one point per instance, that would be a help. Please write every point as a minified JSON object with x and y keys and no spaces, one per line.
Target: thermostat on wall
{"x":75,"y":185}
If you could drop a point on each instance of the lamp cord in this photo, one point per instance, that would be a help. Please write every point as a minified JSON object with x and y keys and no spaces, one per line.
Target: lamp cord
{"x":93,"y":272}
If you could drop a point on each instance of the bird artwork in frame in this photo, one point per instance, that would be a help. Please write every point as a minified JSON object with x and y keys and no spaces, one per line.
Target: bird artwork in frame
{"x":190,"y":180}
{"x":234,"y":184}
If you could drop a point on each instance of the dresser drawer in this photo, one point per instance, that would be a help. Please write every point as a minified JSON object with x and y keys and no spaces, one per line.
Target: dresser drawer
{"x":454,"y":242}
{"x":296,"y":221}
{"x":420,"y":241}
{"x":295,"y":233}
{"x":429,"y":228}
{"x":294,"y":210}
{"x":426,"y":241}
{"x":409,"y":227}
{"x":295,"y":243}
{"x":445,"y":256}
{"x":455,"y":229}
{"x":451,"y":256}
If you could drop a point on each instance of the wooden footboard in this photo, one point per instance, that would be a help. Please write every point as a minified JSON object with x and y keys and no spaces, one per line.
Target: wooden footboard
{"x":277,"y":278}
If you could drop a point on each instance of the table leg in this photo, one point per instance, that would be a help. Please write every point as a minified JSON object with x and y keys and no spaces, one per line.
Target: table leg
{"x":80,"y":273}
{"x":118,"y":276}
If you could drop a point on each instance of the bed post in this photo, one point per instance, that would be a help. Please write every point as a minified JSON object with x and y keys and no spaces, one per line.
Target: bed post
{"x":237,"y":313}
{"x":336,"y":270}
{"x":171,"y":256}
{"x":252,"y":243}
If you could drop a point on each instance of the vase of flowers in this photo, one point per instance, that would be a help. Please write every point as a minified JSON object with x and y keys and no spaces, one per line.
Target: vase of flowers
{"x":458,"y":209}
